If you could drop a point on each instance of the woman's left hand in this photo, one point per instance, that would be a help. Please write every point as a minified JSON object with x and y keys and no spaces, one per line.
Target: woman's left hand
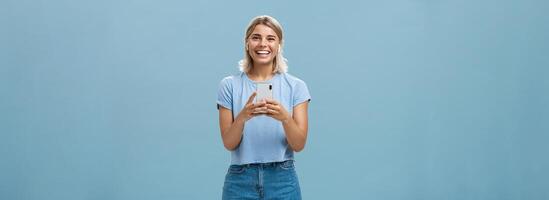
{"x":276,"y":110}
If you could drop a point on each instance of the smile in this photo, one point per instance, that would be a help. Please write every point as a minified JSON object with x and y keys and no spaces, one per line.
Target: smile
{"x":263,"y":53}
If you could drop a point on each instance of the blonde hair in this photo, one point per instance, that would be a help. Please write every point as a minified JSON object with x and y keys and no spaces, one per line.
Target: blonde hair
{"x":279,"y":62}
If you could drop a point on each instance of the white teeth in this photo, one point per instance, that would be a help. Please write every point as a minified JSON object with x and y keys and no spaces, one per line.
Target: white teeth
{"x":262,"y":52}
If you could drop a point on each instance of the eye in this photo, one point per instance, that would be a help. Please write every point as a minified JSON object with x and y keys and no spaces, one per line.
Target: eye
{"x":271,"y":39}
{"x":255,"y":38}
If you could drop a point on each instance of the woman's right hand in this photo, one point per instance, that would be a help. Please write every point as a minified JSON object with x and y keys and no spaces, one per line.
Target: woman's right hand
{"x":251,"y":109}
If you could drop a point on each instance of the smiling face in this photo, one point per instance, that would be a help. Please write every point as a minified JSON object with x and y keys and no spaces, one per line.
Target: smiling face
{"x":262,"y":45}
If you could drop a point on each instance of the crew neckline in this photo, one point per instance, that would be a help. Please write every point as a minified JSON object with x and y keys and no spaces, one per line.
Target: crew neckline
{"x":265,"y":81}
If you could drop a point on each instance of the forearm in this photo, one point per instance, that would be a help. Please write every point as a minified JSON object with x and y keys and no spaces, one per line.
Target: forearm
{"x":295,"y":136}
{"x":233,"y":135}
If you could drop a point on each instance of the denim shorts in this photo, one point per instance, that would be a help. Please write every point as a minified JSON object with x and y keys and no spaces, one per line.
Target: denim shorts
{"x":276,"y":180}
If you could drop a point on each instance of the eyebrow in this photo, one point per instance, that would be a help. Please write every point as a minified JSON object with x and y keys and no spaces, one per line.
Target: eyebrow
{"x":257,"y":34}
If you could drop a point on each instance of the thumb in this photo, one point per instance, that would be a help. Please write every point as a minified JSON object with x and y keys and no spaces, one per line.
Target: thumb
{"x":251,"y":99}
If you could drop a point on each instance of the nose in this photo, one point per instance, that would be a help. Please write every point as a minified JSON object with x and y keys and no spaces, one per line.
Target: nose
{"x":263,"y":43}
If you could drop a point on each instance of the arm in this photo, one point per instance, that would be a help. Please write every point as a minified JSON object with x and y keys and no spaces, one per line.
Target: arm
{"x":295,"y":127}
{"x":231,"y":128}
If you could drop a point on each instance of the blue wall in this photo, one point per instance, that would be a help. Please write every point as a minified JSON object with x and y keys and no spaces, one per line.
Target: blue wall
{"x":412,"y":99}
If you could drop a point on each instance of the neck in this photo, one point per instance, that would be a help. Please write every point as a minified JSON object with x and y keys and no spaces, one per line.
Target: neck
{"x":261,"y":72}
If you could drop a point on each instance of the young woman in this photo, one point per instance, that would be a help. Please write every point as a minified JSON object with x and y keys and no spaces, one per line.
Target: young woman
{"x":262,"y":135}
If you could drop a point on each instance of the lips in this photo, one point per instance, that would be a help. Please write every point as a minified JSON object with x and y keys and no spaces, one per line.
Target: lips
{"x":263,"y":52}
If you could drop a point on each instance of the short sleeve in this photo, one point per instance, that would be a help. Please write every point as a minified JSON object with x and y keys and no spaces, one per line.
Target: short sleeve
{"x":301,"y":93}
{"x":224,"y":94}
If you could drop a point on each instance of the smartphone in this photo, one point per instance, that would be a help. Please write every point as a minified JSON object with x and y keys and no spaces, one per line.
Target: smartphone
{"x":264,"y":91}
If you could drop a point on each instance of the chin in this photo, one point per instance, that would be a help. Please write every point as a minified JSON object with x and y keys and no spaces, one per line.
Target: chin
{"x":262,"y":61}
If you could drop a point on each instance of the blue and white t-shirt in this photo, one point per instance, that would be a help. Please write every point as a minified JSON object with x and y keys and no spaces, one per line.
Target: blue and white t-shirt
{"x":263,"y":137}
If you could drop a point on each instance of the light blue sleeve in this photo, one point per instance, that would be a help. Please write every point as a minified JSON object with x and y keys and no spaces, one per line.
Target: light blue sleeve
{"x":225,"y":94}
{"x":301,"y":93}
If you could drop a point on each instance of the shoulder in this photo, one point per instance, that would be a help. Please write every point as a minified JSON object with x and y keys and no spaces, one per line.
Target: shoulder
{"x":231,"y":80}
{"x":292,"y":80}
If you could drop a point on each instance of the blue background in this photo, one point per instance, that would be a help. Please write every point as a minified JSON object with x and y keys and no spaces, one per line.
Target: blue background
{"x":412,"y":99}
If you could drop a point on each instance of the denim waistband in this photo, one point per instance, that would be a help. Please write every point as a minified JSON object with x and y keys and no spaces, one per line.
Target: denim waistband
{"x":269,"y":164}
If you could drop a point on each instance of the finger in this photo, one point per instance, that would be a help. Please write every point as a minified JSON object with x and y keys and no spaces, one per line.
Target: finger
{"x":257,"y":114}
{"x":251,"y":98}
{"x":273,"y":107}
{"x":257,"y":105}
{"x":259,"y":110}
{"x":271,"y":101}
{"x":272,"y":112}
